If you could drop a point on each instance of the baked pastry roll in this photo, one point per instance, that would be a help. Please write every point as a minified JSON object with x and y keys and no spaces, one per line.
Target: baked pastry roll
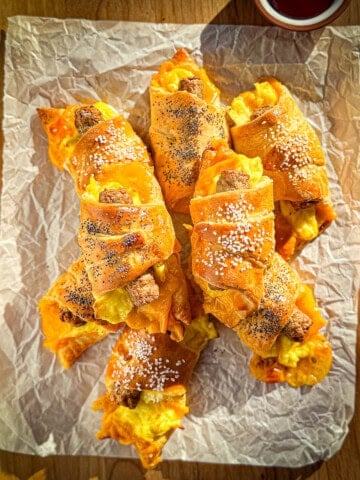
{"x":128,"y":242}
{"x":126,"y":234}
{"x":125,"y":227}
{"x":185,"y":115}
{"x":146,"y":381}
{"x":65,"y":126}
{"x":111,"y":142}
{"x":284,"y":333}
{"x":267,"y":122}
{"x":232,"y":238}
{"x":245,"y":283}
{"x":82,"y":139}
{"x":67,"y":316}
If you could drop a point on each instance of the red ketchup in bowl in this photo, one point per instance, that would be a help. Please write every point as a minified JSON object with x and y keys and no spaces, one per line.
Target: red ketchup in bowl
{"x":301,"y":9}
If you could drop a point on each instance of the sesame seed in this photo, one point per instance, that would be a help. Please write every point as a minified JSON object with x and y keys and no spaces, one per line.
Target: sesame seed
{"x":151,"y":372}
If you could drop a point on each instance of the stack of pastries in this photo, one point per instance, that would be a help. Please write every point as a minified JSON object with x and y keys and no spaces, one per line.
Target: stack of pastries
{"x":251,"y":181}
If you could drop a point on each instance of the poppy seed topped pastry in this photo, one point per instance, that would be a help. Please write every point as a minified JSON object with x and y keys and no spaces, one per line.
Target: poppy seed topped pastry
{"x":67,"y":316}
{"x":126,"y":234}
{"x":185,"y":115}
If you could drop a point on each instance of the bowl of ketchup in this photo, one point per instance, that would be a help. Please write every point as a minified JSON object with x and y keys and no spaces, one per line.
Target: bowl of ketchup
{"x":301,"y":15}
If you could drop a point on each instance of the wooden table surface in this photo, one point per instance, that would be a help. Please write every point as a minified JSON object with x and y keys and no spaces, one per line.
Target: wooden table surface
{"x":345,"y":465}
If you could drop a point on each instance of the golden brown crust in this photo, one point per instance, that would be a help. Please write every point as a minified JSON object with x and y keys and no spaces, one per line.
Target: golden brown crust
{"x":291,"y":152}
{"x":234,"y":204}
{"x":182,"y":125}
{"x":110,"y":142}
{"x":265,"y":301}
{"x":227,"y":255}
{"x":71,"y":292}
{"x":120,"y":241}
{"x":293,"y":158}
{"x":260,"y":330}
{"x":232,"y":238}
{"x":125,"y":228}
{"x":143,"y":361}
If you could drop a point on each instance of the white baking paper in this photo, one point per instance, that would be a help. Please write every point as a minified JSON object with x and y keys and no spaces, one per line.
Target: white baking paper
{"x":234,"y":418}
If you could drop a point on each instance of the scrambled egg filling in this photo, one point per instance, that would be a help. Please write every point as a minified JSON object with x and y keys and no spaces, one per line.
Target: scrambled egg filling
{"x":303,"y":221}
{"x":198,"y":333}
{"x":246,"y":103}
{"x":288,"y":352}
{"x":154,"y":416}
{"x":113,"y":306}
{"x":169,"y":80}
{"x":158,"y":412}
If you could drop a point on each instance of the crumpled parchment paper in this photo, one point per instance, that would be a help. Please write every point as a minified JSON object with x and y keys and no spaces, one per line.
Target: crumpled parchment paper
{"x":234,"y":418}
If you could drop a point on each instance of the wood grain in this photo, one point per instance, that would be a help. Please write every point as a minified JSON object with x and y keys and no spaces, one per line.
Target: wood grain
{"x":345,"y":465}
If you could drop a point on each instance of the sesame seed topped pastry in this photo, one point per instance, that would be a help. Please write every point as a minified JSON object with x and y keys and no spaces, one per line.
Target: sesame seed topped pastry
{"x":112,"y":142}
{"x":129,"y":277}
{"x":67,"y":316}
{"x":232,"y":239}
{"x":185,"y":115}
{"x":267,"y":122}
{"x":84,"y":138}
{"x":65,"y":126}
{"x":146,"y":382}
{"x":245,"y":283}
